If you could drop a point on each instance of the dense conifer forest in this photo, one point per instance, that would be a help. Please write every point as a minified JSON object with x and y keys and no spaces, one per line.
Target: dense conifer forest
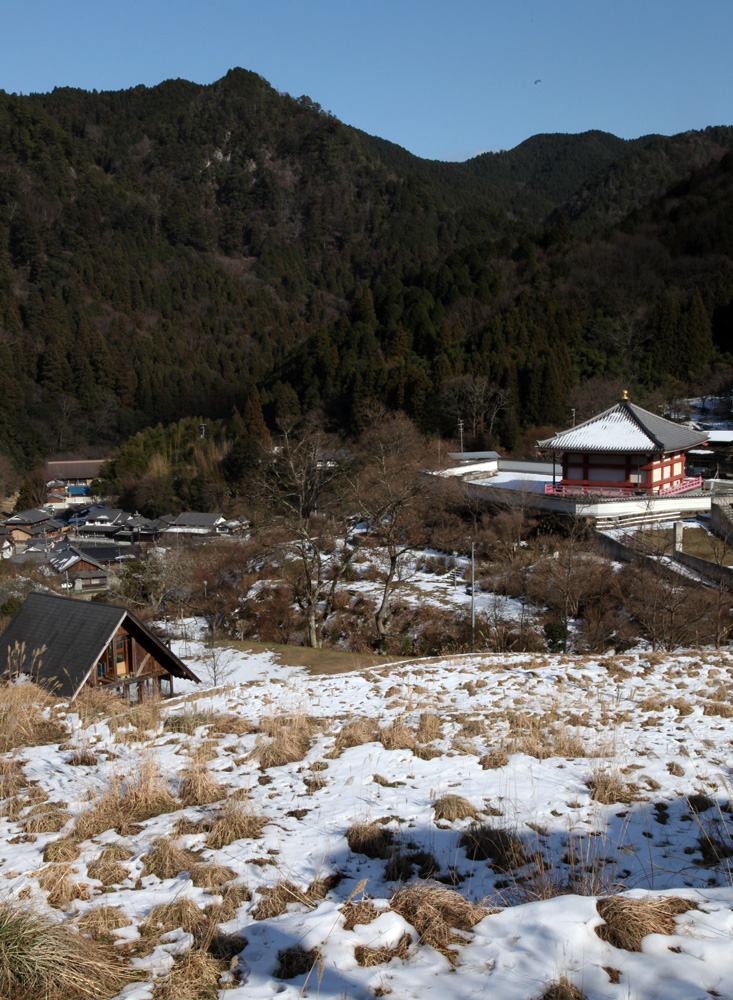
{"x":239,"y":254}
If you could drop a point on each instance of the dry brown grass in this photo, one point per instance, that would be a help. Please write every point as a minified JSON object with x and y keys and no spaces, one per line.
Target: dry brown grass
{"x":127,"y":803}
{"x":47,"y":818}
{"x":232,"y":897}
{"x":82,"y":758}
{"x":146,"y":715}
{"x":628,"y":921}
{"x":371,"y":839}
{"x":361,"y":912}
{"x":715,"y":841}
{"x":494,"y":759}
{"x":207,"y":876}
{"x":12,"y":777}
{"x":63,"y":849}
{"x":437,"y":913}
{"x":356,"y":733}
{"x":182,"y":912}
{"x":293,"y":962}
{"x":198,"y":785}
{"x":193,"y":977}
{"x":107,"y":872}
{"x":429,"y":728}
{"x":608,"y":787}
{"x":276,"y":899}
{"x":235,"y":822}
{"x":289,"y":740}
{"x":227,"y":724}
{"x":453,"y":807}
{"x":115,"y":852}
{"x":99,"y":922}
{"x":61,"y":889}
{"x":41,"y":959}
{"x":368,"y":957}
{"x":397,"y":736}
{"x":504,"y":849}
{"x":723,"y":709}
{"x":98,"y":703}
{"x":26,"y":717}
{"x":188,"y":721}
{"x":562,"y":989}
{"x":546,"y":735}
{"x":167,"y":859}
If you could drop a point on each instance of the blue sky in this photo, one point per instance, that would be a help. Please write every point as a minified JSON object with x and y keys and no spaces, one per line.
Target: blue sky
{"x":447,"y":79}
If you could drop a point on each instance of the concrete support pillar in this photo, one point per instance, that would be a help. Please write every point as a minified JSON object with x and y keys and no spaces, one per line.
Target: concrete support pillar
{"x":679,"y":530}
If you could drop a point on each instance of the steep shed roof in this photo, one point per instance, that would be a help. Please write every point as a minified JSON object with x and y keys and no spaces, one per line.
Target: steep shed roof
{"x":625,"y":427}
{"x":75,"y":469}
{"x":75,"y":634}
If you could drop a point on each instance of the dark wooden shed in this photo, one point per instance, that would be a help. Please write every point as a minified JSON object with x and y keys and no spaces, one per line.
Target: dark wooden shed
{"x":66,"y":645}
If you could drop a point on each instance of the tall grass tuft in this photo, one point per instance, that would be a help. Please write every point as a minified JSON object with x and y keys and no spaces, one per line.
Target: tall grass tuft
{"x":44,"y":960}
{"x":25,"y":719}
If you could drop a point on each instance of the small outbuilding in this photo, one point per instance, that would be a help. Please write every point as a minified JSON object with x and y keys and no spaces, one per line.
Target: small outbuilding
{"x":66,"y":645}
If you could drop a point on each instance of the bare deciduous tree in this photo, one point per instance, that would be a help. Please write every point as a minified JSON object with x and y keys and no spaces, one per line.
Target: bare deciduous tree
{"x":301,"y":489}
{"x":393,"y":500}
{"x":474,"y":399}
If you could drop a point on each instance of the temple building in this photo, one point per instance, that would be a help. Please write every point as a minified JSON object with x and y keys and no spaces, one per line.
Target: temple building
{"x":623,"y":451}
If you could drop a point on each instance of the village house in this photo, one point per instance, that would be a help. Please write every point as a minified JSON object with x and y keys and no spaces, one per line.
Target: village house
{"x":32,"y":525}
{"x":194,"y":523}
{"x":79,"y":472}
{"x":67,"y":645}
{"x":83,"y":574}
{"x":623,"y":451}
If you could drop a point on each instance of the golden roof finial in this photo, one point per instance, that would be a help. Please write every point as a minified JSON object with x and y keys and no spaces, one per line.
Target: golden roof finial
{"x":625,"y":395}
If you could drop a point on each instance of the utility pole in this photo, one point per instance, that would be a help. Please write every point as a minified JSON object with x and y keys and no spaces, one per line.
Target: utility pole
{"x":473,"y":601}
{"x":460,"y":431}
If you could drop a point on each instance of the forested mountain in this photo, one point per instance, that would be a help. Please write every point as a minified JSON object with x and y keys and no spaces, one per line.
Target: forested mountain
{"x":164,"y":250}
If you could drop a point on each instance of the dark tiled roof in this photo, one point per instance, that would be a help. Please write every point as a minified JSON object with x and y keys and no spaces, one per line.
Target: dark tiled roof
{"x":625,"y":427}
{"x":32,"y":516}
{"x":74,"y":634}
{"x":192,"y":519}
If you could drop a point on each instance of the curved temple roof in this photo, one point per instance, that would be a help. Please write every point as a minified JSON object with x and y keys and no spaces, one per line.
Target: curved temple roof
{"x":625,"y":427}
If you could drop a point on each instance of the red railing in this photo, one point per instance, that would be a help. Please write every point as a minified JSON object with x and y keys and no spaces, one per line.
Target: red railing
{"x":570,"y":489}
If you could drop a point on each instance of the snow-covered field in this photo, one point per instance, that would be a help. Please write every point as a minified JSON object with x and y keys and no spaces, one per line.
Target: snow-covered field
{"x":577,"y":778}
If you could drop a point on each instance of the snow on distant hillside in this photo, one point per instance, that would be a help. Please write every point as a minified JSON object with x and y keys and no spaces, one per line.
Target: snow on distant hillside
{"x":514,"y":793}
